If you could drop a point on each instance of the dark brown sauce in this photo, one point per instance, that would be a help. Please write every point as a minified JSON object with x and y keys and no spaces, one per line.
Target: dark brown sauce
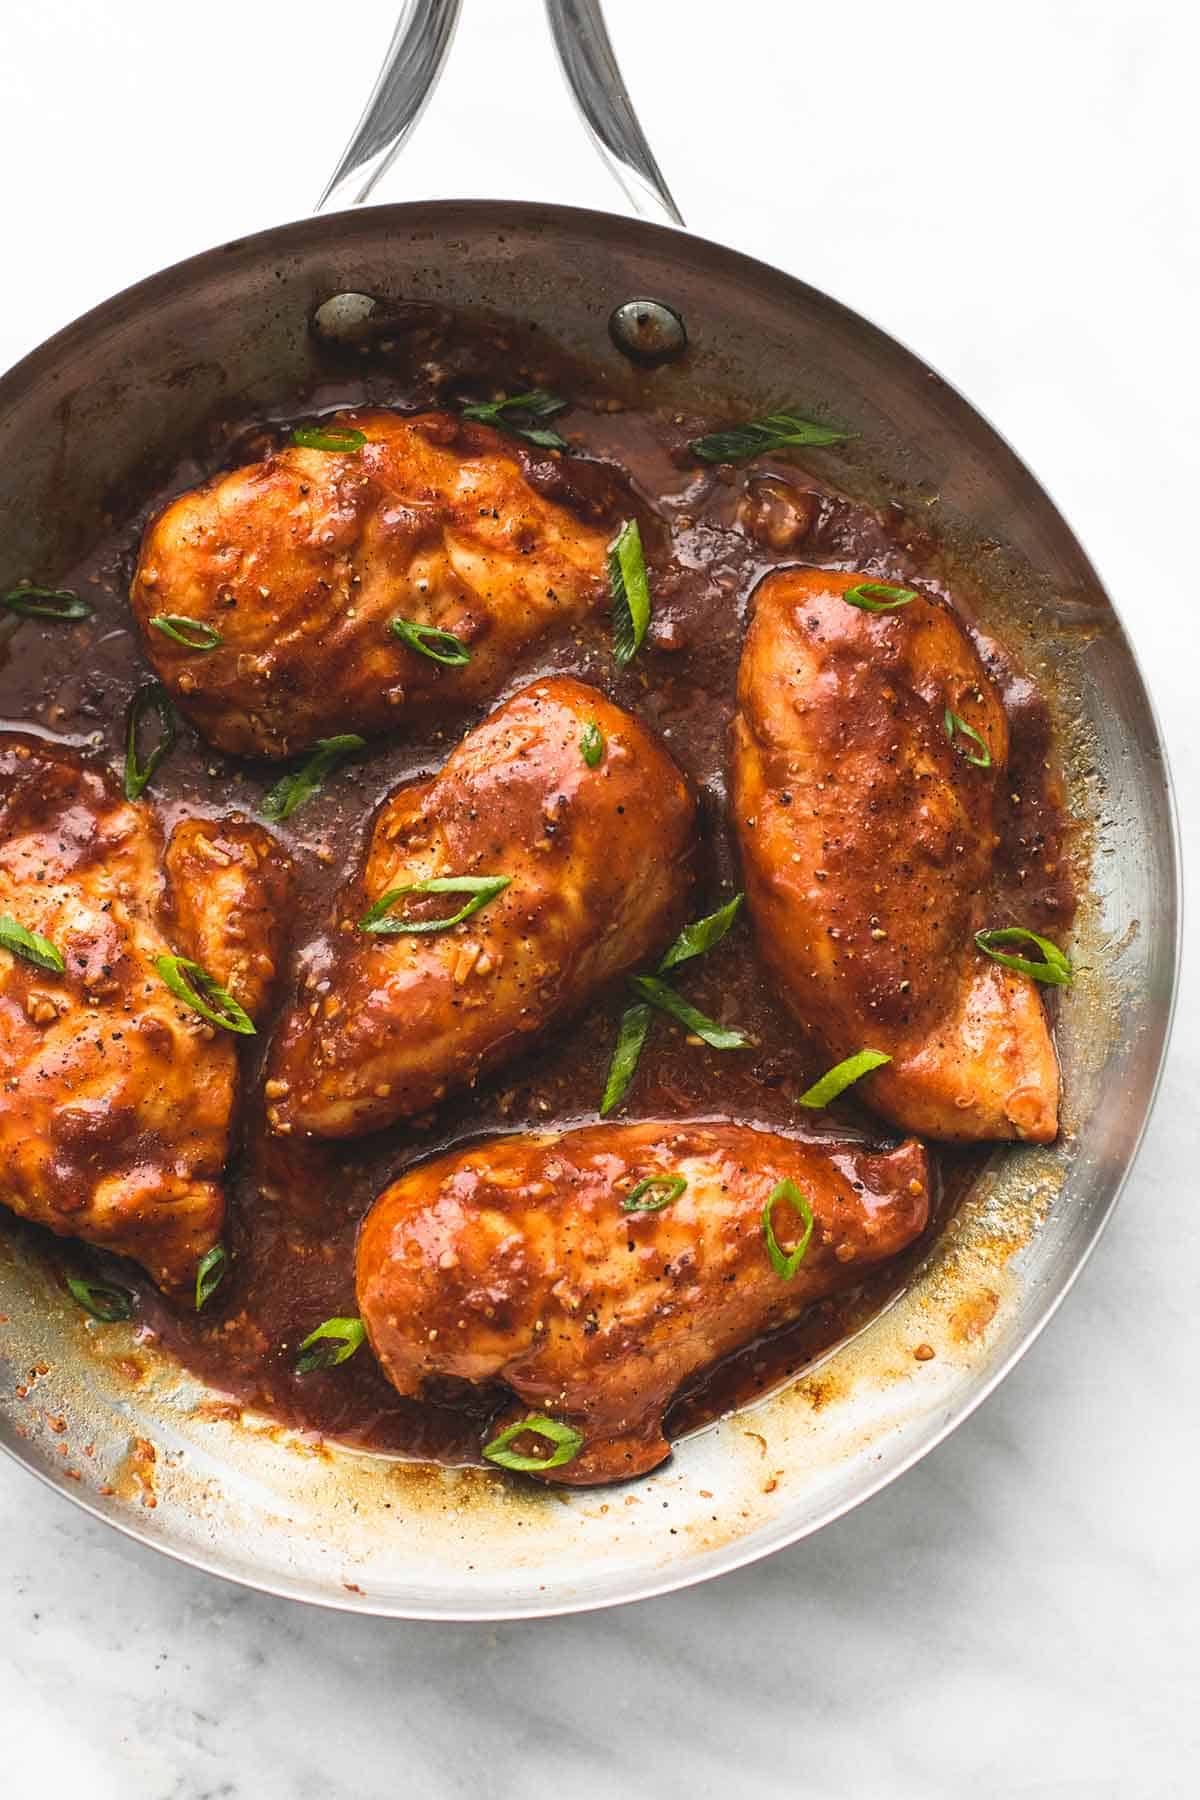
{"x":294,"y":1209}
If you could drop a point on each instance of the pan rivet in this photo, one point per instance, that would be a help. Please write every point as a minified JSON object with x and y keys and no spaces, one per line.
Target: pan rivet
{"x":647,"y":331}
{"x":344,"y":318}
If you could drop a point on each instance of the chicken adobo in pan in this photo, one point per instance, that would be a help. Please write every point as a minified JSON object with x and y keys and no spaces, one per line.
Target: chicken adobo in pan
{"x":870,"y":758}
{"x":555,"y":677}
{"x":118,"y":1062}
{"x":597,"y":1271}
{"x":379,"y":565}
{"x":595,"y":856}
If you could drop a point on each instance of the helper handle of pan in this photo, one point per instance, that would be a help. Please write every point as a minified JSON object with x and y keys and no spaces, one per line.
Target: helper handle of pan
{"x":413,"y":65}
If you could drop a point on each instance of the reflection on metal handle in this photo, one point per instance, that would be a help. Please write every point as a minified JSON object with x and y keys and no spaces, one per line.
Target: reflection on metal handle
{"x":592,"y":74}
{"x":413,"y":66}
{"x":410,"y":73}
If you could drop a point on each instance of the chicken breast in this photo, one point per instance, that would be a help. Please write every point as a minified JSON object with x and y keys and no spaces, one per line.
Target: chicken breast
{"x":516,"y":1261}
{"x":590,"y":863}
{"x":229,"y":889}
{"x":293,"y":570}
{"x":868,"y":841}
{"x":115,"y":1097}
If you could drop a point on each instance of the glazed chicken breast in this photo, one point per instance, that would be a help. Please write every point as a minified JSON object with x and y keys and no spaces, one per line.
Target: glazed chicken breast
{"x":586,"y":862}
{"x":288,"y":576}
{"x":518,"y":1261}
{"x":868,"y":840}
{"x":116,"y":1097}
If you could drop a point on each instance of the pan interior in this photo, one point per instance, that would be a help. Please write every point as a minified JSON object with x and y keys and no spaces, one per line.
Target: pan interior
{"x":102,"y":410}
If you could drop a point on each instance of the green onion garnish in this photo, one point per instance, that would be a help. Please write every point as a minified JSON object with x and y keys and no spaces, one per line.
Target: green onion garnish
{"x":193,"y":634}
{"x":196,"y":988}
{"x":151,"y":695}
{"x":338,"y":439}
{"x":30,"y":945}
{"x":664,"y":997}
{"x":630,"y":592}
{"x":482,"y":888}
{"x":662,"y":1189}
{"x":631,"y":1038}
{"x":567,"y":1441}
{"x":332,"y":1343}
{"x":693,"y":940}
{"x":844,"y":1075}
{"x":428,"y":640}
{"x":878,"y":596}
{"x":107,"y":1303}
{"x":537,"y":404}
{"x":591,"y":744}
{"x":757,"y":436}
{"x":1056,"y":970}
{"x":701,"y":935}
{"x":786,"y":1262}
{"x":210,"y":1273}
{"x":294,"y":791}
{"x":953,"y":723}
{"x":63,"y":605}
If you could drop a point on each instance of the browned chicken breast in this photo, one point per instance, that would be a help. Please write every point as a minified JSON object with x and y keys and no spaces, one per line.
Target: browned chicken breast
{"x":585,"y":862}
{"x":868,"y":840}
{"x":288,"y":575}
{"x":518,"y":1261}
{"x":116,"y":1097}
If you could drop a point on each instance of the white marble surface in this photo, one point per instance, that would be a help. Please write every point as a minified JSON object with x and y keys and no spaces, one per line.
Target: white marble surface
{"x":1013,"y":190}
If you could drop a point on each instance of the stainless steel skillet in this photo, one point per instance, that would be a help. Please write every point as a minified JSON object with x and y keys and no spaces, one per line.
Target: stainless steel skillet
{"x":119,"y":392}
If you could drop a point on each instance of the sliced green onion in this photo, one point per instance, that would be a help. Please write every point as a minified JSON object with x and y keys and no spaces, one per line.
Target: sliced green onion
{"x":1055,"y":971}
{"x":151,"y":694}
{"x":786,"y":1262}
{"x":701,"y":935}
{"x":210,"y":1273}
{"x":428,"y":640}
{"x":878,"y":596}
{"x":591,"y":744}
{"x":107,"y":1303}
{"x":61,"y":604}
{"x":536,"y":404}
{"x":295,"y":790}
{"x":193,"y":634}
{"x":567,"y":1441}
{"x":693,"y":940}
{"x":332,"y":1343}
{"x":836,"y":1080}
{"x":757,"y":436}
{"x":30,"y":945}
{"x":630,"y":592}
{"x":338,"y":439}
{"x":953,"y":723}
{"x":631,"y":1039}
{"x":662,"y":1189}
{"x":660,"y":995}
{"x":196,"y":988}
{"x":482,"y":888}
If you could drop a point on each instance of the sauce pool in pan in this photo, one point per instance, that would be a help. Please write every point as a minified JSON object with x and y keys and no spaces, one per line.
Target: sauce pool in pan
{"x":711,"y":533}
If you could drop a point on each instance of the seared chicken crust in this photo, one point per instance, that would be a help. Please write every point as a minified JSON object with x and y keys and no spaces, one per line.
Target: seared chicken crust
{"x":301,"y":562}
{"x":115,"y":1097}
{"x":513,"y":1261}
{"x":868,"y":842}
{"x":598,"y":861}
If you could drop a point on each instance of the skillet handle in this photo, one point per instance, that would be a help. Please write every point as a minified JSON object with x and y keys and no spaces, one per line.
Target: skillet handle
{"x":411,"y":70}
{"x":586,"y":56}
{"x":413,"y":66}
